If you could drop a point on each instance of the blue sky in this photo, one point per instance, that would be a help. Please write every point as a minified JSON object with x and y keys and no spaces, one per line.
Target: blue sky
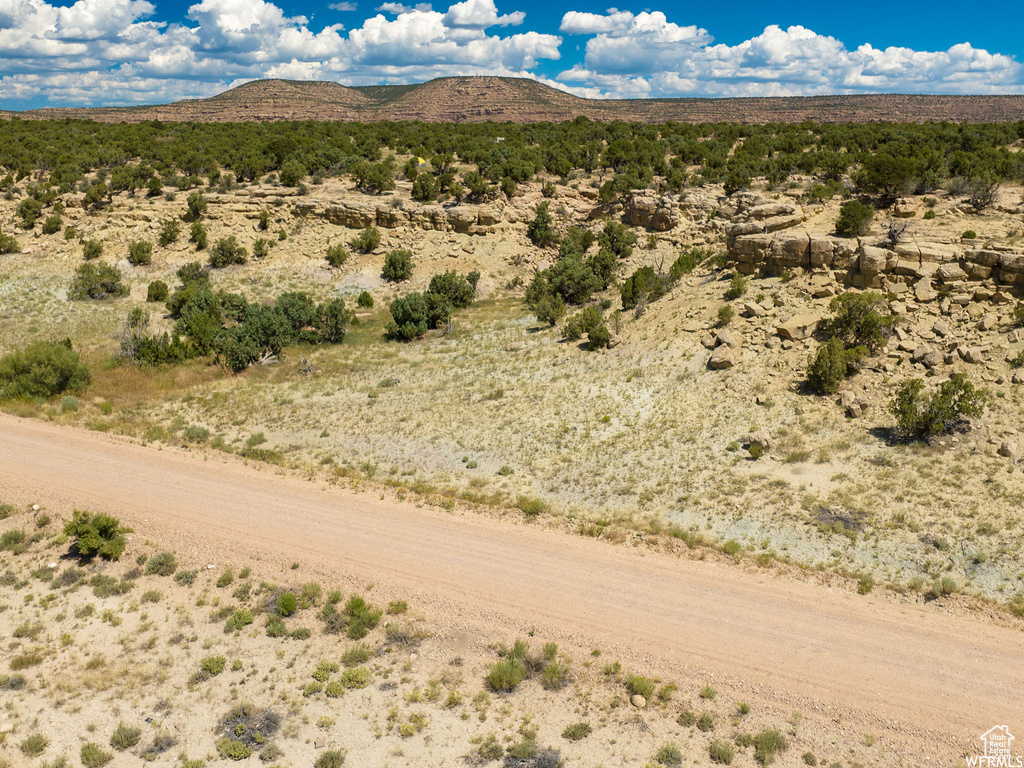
{"x":95,"y":52}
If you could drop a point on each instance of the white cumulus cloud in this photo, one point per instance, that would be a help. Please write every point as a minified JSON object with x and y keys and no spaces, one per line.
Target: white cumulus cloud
{"x":631,"y":56}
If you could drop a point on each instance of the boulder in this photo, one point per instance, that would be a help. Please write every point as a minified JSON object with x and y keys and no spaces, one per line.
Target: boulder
{"x":987,"y":322}
{"x":638,"y":701}
{"x":873,"y":260}
{"x":750,"y":309}
{"x":792,"y":250}
{"x":950,"y":272}
{"x":723,"y":357}
{"x":905,"y":209}
{"x":1007,"y":449}
{"x":798,"y":327}
{"x":728,"y":338}
{"x":761,"y":439}
{"x":651,"y":212}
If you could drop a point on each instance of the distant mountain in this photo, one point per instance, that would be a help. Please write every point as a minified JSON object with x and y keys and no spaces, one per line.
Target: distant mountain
{"x":478,"y":99}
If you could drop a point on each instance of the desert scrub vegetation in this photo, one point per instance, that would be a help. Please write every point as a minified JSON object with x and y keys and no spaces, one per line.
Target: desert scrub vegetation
{"x":920,"y":414}
{"x":97,"y":534}
{"x":42,"y":369}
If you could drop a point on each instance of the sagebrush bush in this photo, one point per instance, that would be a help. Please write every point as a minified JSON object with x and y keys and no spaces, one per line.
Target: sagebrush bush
{"x":96,"y":535}
{"x":97,"y":281}
{"x":125,"y":736}
{"x":337,"y":255}
{"x":577,"y":731}
{"x":505,"y":675}
{"x":42,"y":369}
{"x":767,"y":744}
{"x":93,"y":756}
{"x":163,"y":564}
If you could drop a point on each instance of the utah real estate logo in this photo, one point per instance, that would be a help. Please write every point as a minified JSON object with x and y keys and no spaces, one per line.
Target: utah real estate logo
{"x":997,"y":750}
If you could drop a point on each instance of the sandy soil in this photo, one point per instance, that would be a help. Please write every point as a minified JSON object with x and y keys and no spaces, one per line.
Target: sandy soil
{"x":926,"y":681}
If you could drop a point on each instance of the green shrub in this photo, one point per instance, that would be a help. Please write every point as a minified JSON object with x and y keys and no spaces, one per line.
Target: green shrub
{"x":9,"y":244}
{"x":598,"y":338}
{"x":94,"y":757}
{"x":539,"y":230}
{"x":638,"y":685}
{"x":706,"y":722}
{"x":34,"y":745}
{"x":505,"y":675}
{"x":641,"y":287}
{"x":929,"y":215}
{"x":970,"y":234}
{"x":737,"y":286}
{"x":337,"y":255}
{"x":195,"y":206}
{"x":186,"y":578}
{"x":97,"y":281}
{"x":98,"y":534}
{"x":921,"y":415}
{"x":227,"y":251}
{"x":854,"y":219}
{"x":577,"y":731}
{"x":583,"y":322}
{"x":197,"y":234}
{"x":398,"y":266}
{"x":226,"y":577}
{"x":549,"y":308}
{"x":356,"y":677}
{"x":157,"y":291}
{"x":14,"y":541}
{"x":42,"y":369}
{"x":331,"y":758}
{"x":365,"y":300}
{"x":28,"y":210}
{"x":767,"y":744}
{"x":212,"y":666}
{"x":367,"y":240}
{"x":617,"y":238}
{"x":287,"y":604}
{"x":91,"y":250}
{"x":944,"y":587}
{"x":455,"y":288}
{"x":163,"y":564}
{"x":669,"y":754}
{"x":555,"y":675}
{"x":362,"y":617}
{"x":125,"y":736}
{"x":721,"y":752}
{"x":396,"y":607}
{"x":260,"y":248}
{"x":69,"y":404}
{"x":264,"y":220}
{"x":830,"y":366}
{"x":170,"y":231}
{"x":356,"y":655}
{"x":238,"y":620}
{"x":230,"y":749}
{"x":531,"y":507}
{"x":857,"y":322}
{"x":52,"y":224}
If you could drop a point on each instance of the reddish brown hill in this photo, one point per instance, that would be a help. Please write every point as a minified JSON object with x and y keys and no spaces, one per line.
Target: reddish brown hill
{"x":479,"y":99}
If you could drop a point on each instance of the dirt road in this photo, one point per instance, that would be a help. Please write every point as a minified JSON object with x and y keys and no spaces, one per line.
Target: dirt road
{"x":932,"y":681}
